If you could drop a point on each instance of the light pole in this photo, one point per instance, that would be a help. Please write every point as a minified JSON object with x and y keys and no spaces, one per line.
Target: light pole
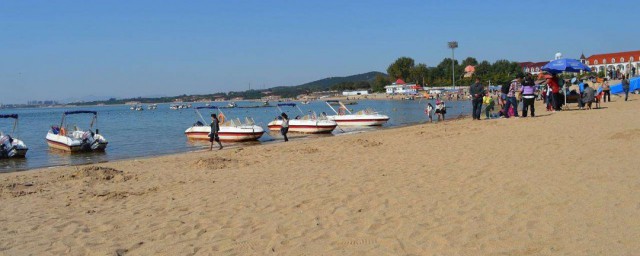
{"x":453,"y":45}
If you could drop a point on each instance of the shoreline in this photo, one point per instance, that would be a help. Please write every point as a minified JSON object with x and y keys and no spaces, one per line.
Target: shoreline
{"x":232,"y":146}
{"x":450,"y":188}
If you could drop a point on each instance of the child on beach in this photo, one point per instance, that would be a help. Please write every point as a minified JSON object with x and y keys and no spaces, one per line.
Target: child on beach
{"x":490,"y":104}
{"x":429,"y":111}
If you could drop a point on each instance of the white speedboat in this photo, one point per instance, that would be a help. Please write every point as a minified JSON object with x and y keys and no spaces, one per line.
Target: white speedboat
{"x":231,"y":130}
{"x":174,"y":107}
{"x":11,"y":147}
{"x":310,"y":123}
{"x":75,"y":140}
{"x":344,"y":116}
{"x":152,"y":106}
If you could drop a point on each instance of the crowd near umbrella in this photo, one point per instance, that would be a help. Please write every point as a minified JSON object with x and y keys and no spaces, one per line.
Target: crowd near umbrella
{"x":565,"y":65}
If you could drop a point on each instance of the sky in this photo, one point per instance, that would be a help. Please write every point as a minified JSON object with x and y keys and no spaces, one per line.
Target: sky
{"x":73,"y":49}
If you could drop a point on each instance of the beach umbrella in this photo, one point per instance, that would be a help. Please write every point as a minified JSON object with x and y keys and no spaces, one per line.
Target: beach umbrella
{"x":565,"y":65}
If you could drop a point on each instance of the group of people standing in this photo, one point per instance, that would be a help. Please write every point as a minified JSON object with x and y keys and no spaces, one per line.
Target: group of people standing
{"x":523,"y":85}
{"x":617,"y":74}
{"x":525,"y":89}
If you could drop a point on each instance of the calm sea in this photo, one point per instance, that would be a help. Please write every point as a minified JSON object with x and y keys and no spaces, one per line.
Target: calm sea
{"x":161,"y":131}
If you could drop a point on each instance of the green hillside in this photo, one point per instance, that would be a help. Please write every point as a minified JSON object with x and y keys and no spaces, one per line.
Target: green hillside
{"x":323,"y":84}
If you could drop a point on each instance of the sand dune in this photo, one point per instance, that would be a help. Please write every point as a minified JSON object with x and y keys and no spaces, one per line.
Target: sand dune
{"x":560,"y":184}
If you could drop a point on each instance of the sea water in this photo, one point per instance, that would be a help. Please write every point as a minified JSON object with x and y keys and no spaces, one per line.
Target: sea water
{"x":158,"y":132}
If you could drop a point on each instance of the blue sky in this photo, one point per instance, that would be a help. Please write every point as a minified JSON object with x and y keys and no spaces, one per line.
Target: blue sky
{"x":72,"y":49}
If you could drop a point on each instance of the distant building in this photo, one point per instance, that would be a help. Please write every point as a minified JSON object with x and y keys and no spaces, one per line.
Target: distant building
{"x":272,"y":97}
{"x":355,"y":93}
{"x":532,"y":67}
{"x":623,"y":61}
{"x":400,"y":87}
{"x":40,"y":102}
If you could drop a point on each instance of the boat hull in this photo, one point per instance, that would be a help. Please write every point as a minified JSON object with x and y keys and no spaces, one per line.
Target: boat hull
{"x":73,"y":145}
{"x":17,"y":153}
{"x":227,"y":134}
{"x":305,"y":126}
{"x":359,"y":120}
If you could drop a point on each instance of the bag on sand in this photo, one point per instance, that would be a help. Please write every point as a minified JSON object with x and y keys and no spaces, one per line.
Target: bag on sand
{"x":511,"y":113}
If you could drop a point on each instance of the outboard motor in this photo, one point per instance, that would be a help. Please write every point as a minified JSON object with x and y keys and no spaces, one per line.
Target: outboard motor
{"x":6,"y":147}
{"x":95,"y":143}
{"x":3,"y":148}
{"x":87,"y":141}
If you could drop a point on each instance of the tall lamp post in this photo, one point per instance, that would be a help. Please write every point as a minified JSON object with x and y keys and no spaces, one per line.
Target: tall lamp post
{"x":453,"y":45}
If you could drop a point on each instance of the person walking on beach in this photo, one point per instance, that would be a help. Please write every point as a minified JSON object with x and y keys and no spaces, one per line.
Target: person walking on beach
{"x":441,"y":109}
{"x":490,"y":104}
{"x":625,"y":87}
{"x":213,"y":135}
{"x":528,"y":91}
{"x":429,"y":111}
{"x":511,"y":97}
{"x":607,"y":90}
{"x":477,"y":92}
{"x":284,"y":128}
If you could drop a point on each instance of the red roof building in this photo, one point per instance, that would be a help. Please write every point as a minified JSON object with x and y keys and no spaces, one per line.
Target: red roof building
{"x":623,"y":61}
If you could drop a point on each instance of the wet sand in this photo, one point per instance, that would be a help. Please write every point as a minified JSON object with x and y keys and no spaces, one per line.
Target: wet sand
{"x":565,"y":183}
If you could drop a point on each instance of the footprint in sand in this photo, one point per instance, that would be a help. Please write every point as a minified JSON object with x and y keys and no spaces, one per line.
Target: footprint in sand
{"x":626,"y":135}
{"x":240,"y":247}
{"x":359,"y":242}
{"x":368,"y":143}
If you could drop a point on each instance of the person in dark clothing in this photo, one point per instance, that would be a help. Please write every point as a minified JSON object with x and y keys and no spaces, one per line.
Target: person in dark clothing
{"x":528,"y":91}
{"x":625,"y":87}
{"x":504,"y":90}
{"x":477,"y":92}
{"x":213,"y":135}
{"x":284,"y":128}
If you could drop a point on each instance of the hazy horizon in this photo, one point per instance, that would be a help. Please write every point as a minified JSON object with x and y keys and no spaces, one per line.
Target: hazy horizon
{"x":68,"y":49}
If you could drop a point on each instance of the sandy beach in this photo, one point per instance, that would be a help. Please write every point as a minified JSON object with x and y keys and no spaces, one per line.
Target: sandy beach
{"x":565,"y":183}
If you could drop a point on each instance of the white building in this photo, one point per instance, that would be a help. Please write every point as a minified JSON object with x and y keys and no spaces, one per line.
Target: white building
{"x":355,"y":93}
{"x":400,"y":87}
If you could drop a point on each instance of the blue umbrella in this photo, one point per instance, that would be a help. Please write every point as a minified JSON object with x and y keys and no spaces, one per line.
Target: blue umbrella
{"x":565,"y":65}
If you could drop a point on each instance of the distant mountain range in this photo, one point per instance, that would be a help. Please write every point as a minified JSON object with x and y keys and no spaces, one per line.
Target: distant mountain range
{"x":323,"y":84}
{"x":326,"y":83}
{"x":284,"y":91}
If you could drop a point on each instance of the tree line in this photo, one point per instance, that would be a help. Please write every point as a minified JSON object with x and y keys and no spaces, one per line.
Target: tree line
{"x":499,"y":72}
